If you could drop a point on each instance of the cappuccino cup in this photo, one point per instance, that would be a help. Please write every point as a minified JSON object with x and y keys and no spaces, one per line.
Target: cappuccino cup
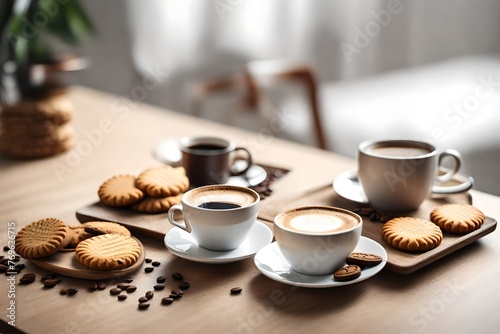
{"x":398,"y":175}
{"x":316,"y":240}
{"x":212,"y":160}
{"x":219,"y":217}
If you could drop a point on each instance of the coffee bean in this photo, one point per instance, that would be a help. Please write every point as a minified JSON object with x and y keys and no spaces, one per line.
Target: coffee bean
{"x":149,"y":294}
{"x":161,"y":279}
{"x":236,"y":290}
{"x":143,"y":306}
{"x":27,"y":279}
{"x":143,"y":300}
{"x":122,"y":297}
{"x":148,"y":260}
{"x":50,"y":283}
{"x":131,"y":288}
{"x":174,"y":296}
{"x":93,"y":286}
{"x":177,"y":276}
{"x":184,"y":285}
{"x":115,"y":291}
{"x":30,"y":275}
{"x":1,"y":257}
{"x":122,"y":286}
{"x":63,"y":292}
{"x":179,"y":293}
{"x":6,"y":248}
{"x":127,"y":279}
{"x":159,"y":287}
{"x":72,"y":291}
{"x":101,"y":285}
{"x":16,"y":258}
{"x":20,"y":266}
{"x":167,"y":300}
{"x":149,"y":269}
{"x":3,"y":268}
{"x":155,"y":263}
{"x":48,"y":276}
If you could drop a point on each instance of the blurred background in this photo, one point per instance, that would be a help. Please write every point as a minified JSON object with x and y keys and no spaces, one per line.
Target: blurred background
{"x":330,"y":73}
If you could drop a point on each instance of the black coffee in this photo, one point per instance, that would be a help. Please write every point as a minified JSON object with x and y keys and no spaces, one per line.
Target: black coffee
{"x":206,"y":147}
{"x":219,"y":206}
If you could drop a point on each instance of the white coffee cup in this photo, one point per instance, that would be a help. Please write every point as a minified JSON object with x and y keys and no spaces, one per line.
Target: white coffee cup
{"x":316,"y":240}
{"x":398,"y":175}
{"x":219,"y":217}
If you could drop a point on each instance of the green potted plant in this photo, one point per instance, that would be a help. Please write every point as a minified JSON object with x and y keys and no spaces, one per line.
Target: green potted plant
{"x":36,"y":42}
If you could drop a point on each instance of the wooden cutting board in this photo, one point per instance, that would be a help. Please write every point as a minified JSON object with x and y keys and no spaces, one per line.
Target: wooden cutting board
{"x":66,"y":264}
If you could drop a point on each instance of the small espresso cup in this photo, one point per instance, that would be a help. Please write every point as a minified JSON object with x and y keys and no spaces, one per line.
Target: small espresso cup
{"x":398,"y":175}
{"x":212,"y":160}
{"x":316,"y":240}
{"x":219,"y":217}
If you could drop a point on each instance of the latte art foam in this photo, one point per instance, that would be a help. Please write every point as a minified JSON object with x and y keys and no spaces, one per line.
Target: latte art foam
{"x":318,"y":221}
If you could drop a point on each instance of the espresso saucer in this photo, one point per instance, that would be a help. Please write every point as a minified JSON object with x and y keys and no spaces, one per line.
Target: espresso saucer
{"x":271,"y":263}
{"x":167,"y":151}
{"x":347,"y":185}
{"x":182,"y":244}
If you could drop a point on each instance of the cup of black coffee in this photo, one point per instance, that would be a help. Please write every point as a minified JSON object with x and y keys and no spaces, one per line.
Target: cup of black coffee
{"x":219,"y":217}
{"x":212,"y":160}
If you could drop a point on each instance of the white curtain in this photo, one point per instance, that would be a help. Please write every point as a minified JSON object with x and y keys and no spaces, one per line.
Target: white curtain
{"x":342,"y":39}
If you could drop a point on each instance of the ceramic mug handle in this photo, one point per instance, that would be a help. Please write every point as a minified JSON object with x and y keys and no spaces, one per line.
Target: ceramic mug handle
{"x":182,"y":225}
{"x":236,"y":158}
{"x":455,"y":155}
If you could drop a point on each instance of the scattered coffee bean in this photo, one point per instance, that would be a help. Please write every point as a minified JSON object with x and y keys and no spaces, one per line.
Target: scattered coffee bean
{"x":177,"y":276}
{"x":149,"y":269}
{"x":115,"y":291}
{"x":27,"y":279}
{"x":6,"y":248}
{"x":143,"y":306}
{"x":126,"y":279}
{"x":20,"y":266}
{"x":155,"y":263}
{"x":3,"y":268}
{"x":63,"y":292}
{"x":48,"y":276}
{"x":101,"y":285}
{"x":159,"y":287}
{"x":149,"y":294}
{"x":174,"y":296}
{"x":236,"y":290}
{"x":161,"y":279}
{"x":131,"y":288}
{"x":122,"y":297}
{"x":72,"y":291}
{"x":184,"y":285}
{"x":16,"y":258}
{"x":167,"y":300}
{"x":50,"y":283}
{"x":148,"y":260}
{"x":93,"y":286}
{"x":143,"y":300}
{"x":122,"y":286}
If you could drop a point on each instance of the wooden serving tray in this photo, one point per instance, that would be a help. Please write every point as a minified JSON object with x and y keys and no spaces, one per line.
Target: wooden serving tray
{"x":66,"y":264}
{"x":397,"y":261}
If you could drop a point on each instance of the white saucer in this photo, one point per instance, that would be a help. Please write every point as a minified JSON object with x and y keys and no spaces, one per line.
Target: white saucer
{"x":182,"y":244}
{"x":167,"y":151}
{"x":271,"y":263}
{"x":347,"y":185}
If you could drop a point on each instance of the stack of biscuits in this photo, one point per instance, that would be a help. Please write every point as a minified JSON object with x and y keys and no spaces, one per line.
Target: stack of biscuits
{"x":35,"y":128}
{"x":100,"y":246}
{"x":155,"y":190}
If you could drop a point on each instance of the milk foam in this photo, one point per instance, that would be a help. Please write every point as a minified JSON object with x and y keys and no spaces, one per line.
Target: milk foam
{"x":318,"y":221}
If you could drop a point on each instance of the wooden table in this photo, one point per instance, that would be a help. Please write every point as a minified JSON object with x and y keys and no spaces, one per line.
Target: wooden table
{"x":457,"y":294}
